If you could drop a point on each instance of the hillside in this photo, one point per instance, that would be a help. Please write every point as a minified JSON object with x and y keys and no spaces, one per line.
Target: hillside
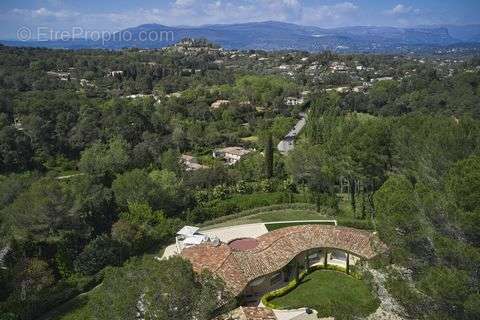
{"x":272,"y":35}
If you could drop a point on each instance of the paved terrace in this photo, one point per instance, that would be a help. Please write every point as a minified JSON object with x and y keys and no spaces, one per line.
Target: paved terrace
{"x":276,"y":249}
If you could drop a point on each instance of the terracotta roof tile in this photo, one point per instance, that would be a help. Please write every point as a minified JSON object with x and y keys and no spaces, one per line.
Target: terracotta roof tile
{"x":276,"y":249}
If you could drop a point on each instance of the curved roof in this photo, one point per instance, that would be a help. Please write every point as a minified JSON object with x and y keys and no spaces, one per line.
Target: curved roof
{"x":276,"y":249}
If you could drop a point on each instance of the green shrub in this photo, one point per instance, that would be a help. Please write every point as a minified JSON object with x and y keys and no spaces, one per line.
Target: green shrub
{"x":239,"y":202}
{"x":98,"y":254}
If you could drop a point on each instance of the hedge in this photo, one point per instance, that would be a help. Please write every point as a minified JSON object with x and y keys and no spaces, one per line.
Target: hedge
{"x":355,"y":223}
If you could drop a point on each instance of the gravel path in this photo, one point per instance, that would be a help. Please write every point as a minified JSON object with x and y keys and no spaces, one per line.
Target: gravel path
{"x":389,"y":308}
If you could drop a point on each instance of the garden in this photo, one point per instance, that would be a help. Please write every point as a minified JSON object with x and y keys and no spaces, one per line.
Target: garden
{"x":331,"y":293}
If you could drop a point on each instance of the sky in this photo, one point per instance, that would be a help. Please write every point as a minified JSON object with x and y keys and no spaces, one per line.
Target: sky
{"x":114,"y":15}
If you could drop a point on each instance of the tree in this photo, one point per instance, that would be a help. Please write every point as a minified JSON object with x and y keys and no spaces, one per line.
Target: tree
{"x":33,"y":279}
{"x":448,"y":287}
{"x":16,"y":151}
{"x":141,"y":213}
{"x":269,"y":156}
{"x":134,"y":187}
{"x":86,"y":131}
{"x":463,"y":183}
{"x":161,"y":290}
{"x":43,"y":212}
{"x":170,"y":160}
{"x":470,"y":224}
{"x":133,"y":236}
{"x":105,"y":160}
{"x":309,"y":165}
{"x":400,"y":223}
{"x":93,"y":202}
{"x":99,"y":253}
{"x":472,"y":306}
{"x":281,"y":125}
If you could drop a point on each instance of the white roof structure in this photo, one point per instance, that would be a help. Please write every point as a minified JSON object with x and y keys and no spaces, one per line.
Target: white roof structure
{"x":195,"y":239}
{"x":188,"y":231}
{"x":189,"y":236}
{"x":237,"y":151}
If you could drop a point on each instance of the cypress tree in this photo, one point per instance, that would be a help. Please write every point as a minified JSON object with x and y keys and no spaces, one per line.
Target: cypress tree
{"x":269,"y":156}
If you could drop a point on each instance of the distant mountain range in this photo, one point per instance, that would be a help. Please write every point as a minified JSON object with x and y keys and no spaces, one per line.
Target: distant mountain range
{"x":272,"y":35}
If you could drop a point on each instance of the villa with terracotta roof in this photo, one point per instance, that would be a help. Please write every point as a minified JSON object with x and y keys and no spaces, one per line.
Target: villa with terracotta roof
{"x":253,"y":266}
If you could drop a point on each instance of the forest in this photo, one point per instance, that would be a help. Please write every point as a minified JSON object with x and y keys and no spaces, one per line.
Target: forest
{"x":92,"y":186}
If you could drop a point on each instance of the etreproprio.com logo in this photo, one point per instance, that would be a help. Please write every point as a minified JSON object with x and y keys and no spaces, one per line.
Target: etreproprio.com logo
{"x":78,"y":33}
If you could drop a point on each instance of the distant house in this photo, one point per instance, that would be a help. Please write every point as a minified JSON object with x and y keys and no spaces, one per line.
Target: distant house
{"x":115,"y":73}
{"x":141,"y":96}
{"x":191,"y":163}
{"x":359,"y":88}
{"x":17,"y":123}
{"x":174,"y":95}
{"x":338,"y":66}
{"x":294,"y":101}
{"x":86,"y":83}
{"x":63,"y":76}
{"x":219,"y":103}
{"x":381,"y":79}
{"x":305,"y":93}
{"x":338,"y":89}
{"x":231,"y":154}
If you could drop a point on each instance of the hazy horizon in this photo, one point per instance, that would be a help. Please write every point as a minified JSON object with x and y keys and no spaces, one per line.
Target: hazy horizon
{"x":61,"y":15}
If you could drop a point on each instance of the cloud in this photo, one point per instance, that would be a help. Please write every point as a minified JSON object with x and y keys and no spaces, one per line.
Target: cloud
{"x":330,"y":15}
{"x":192,"y":12}
{"x":43,"y":13}
{"x":184,"y":3}
{"x":401,"y":9}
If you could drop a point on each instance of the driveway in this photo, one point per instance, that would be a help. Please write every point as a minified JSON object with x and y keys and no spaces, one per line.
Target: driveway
{"x":288,"y":143}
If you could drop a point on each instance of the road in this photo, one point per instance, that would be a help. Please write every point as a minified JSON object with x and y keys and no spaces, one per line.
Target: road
{"x":288,"y":143}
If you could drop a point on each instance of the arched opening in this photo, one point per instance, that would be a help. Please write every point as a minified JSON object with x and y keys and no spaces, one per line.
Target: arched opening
{"x":258,"y":287}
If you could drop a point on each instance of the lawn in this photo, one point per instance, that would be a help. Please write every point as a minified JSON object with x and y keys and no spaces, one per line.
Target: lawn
{"x":290,"y":215}
{"x":253,"y":139}
{"x":271,"y":216}
{"x":331,"y":293}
